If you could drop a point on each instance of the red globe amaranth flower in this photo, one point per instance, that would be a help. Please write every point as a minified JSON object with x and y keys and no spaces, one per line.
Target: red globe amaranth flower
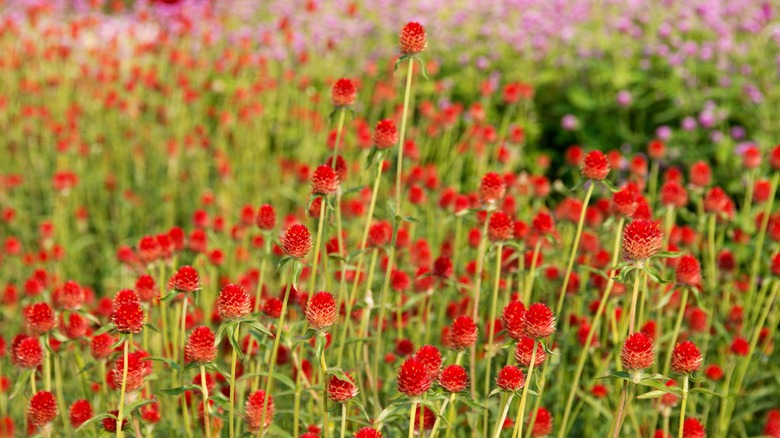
{"x":673,"y":194}
{"x":641,"y":240}
{"x":26,"y":352}
{"x":69,"y":296}
{"x":296,"y":241}
{"x":625,"y":201}
{"x":510,"y":378}
{"x":511,"y":319}
{"x":442,"y":267}
{"x":340,"y":167}
{"x":774,"y":158}
{"x":686,"y":358}
{"x":368,"y":432}
{"x":595,"y":166}
{"x":454,"y":378}
{"x":186,"y":279}
{"x":7,"y":429}
{"x":740,"y":346}
{"x":42,"y":409}
{"x":321,"y":310}
{"x":772,"y":426}
{"x":713,"y":372}
{"x":324,"y":180}
{"x":146,"y":289}
{"x":538,"y":321}
{"x":412,"y":39}
{"x":492,"y":188}
{"x":79,"y":412}
{"x":500,"y":227}
{"x":413,"y":377}
{"x":109,"y":424}
{"x":100,"y":346}
{"x":138,"y":368}
{"x":637,"y":353}
{"x":124,"y":296}
{"x":385,"y":134}
{"x":700,"y":174}
{"x":39,"y":318}
{"x":543,"y":425}
{"x":688,"y":270}
{"x":543,"y":223}
{"x":426,"y":417}
{"x":431,"y":357}
{"x":692,"y":428}
{"x":341,"y":391}
{"x":656,"y":149}
{"x":75,"y":326}
{"x":343,"y":93}
{"x":233,"y":302}
{"x":128,"y":318}
{"x":524,"y":350}
{"x":462,"y":333}
{"x":266,"y":217}
{"x":255,"y":406}
{"x":201,"y":347}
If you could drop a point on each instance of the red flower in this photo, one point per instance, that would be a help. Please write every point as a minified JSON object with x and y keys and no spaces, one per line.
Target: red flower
{"x":692,"y":428}
{"x":42,"y":409}
{"x":686,"y":358}
{"x":266,"y":217}
{"x":321,"y":310}
{"x":538,"y":321}
{"x":146,"y":288}
{"x":673,"y":194}
{"x":525,"y":349}
{"x":26,"y":352}
{"x":774,"y":158}
{"x":100,"y":346}
{"x":79,"y":412}
{"x":186,"y":279}
{"x":109,"y":424}
{"x":462,"y":333}
{"x":68,"y":297}
{"x":511,"y":319}
{"x":700,"y":174}
{"x":128,"y":318}
{"x":716,"y":201}
{"x":454,"y":378}
{"x":543,"y":223}
{"x":637,"y":352}
{"x":340,"y":167}
{"x":431,"y":357}
{"x":688,"y":270}
{"x":40,"y":318}
{"x":714,"y":372}
{"x":273,"y":307}
{"x":500,"y":227}
{"x":380,"y":234}
{"x":74,"y":327}
{"x":641,"y":240}
{"x":624,"y":201}
{"x":368,"y":432}
{"x":7,"y":427}
{"x":510,"y":378}
{"x":324,"y":180}
{"x":595,"y":166}
{"x":543,"y":425}
{"x":124,"y":296}
{"x":255,"y":406}
{"x":413,"y":377}
{"x":656,"y":149}
{"x":233,"y":302}
{"x":341,"y":391}
{"x":385,"y":134}
{"x":425,"y":416}
{"x":442,"y":267}
{"x":740,"y":346}
{"x":201,"y":347}
{"x":492,"y":188}
{"x":296,"y":241}
{"x":412,"y":39}
{"x":343,"y":93}
{"x":138,"y":368}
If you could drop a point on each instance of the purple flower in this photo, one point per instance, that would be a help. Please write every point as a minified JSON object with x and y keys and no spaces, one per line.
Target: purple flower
{"x":663,"y":132}
{"x":624,"y":98}
{"x":569,"y":122}
{"x":688,"y":123}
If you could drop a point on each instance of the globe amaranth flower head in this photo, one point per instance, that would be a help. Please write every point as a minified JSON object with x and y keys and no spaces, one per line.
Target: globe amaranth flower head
{"x":341,"y":390}
{"x":454,"y":378}
{"x":324,"y":180}
{"x":321,"y":310}
{"x":266,"y":217}
{"x":186,"y":279}
{"x":128,"y":317}
{"x":686,"y":358}
{"x":201,"y":347}
{"x":492,"y":188}
{"x":343,"y":93}
{"x":296,"y":241}
{"x":413,"y":377}
{"x":258,"y":402}
{"x":637,"y":354}
{"x":412,"y":39}
{"x":42,"y":409}
{"x":595,"y":166}
{"x":641,"y":240}
{"x":233,"y":302}
{"x":385,"y":134}
{"x":462,"y":333}
{"x":510,"y":378}
{"x":538,"y":321}
{"x":500,"y":227}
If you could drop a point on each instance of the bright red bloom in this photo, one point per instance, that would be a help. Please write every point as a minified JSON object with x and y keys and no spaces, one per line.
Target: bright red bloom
{"x":39,"y":318}
{"x":716,"y":201}
{"x":109,"y":424}
{"x":379,"y":234}
{"x":510,"y":378}
{"x":431,"y":357}
{"x":454,"y":378}
{"x":273,"y":307}
{"x":413,"y":377}
{"x":500,"y":227}
{"x":686,"y":358}
{"x":673,"y":194}
{"x":68,"y":297}
{"x":774,"y":158}
{"x":146,"y":288}
{"x":100,"y":346}
{"x":42,"y":409}
{"x":201,"y":347}
{"x":637,"y":352}
{"x":442,"y":267}
{"x":751,"y":157}
{"x":740,"y":346}
{"x":296,"y":241}
{"x":385,"y":134}
{"x":26,"y":352}
{"x":341,"y":391}
{"x":425,"y":416}
{"x":138,"y":368}
{"x":641,"y":240}
{"x":492,"y":188}
{"x":462,"y":333}
{"x":543,"y":425}
{"x":124,"y":296}
{"x":692,"y":428}
{"x":266,"y":217}
{"x":255,"y":406}
{"x":79,"y":412}
{"x":700,"y":174}
{"x":324,"y":180}
{"x":624,"y":201}
{"x":321,"y":310}
{"x":543,"y":223}
{"x":233,"y":302}
{"x":412,"y":39}
{"x":6,"y":427}
{"x":75,"y":326}
{"x":511,"y":319}
{"x":595,"y":166}
{"x":343,"y":93}
{"x":538,"y":321}
{"x":368,"y":432}
{"x":186,"y":279}
{"x":688,"y":270}
{"x":128,"y":318}
{"x":714,"y":372}
{"x":656,"y":149}
{"x":524,"y":350}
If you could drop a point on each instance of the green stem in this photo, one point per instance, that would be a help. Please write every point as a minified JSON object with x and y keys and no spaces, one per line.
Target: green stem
{"x":412,"y":414}
{"x":206,"y":409}
{"x":317,"y":243}
{"x":574,"y":246}
{"x":443,"y":409}
{"x":500,"y":424}
{"x":491,"y":329}
{"x":682,"y":406}
{"x":119,"y":432}
{"x":233,"y":360}
{"x":524,"y":397}
{"x":676,"y":332}
{"x":634,"y":296}
{"x":343,"y":420}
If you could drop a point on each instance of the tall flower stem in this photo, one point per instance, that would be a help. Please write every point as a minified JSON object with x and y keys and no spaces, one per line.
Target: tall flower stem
{"x":476,"y":294}
{"x":317,"y":243}
{"x":206,"y":409}
{"x":343,"y":420}
{"x":634,"y":297}
{"x":183,"y":339}
{"x":500,"y":424}
{"x":574,"y":246}
{"x":491,"y":329}
{"x":756,"y":263}
{"x":119,"y":432}
{"x":233,"y":361}
{"x":518,"y":431}
{"x":412,"y":414}
{"x":682,"y":406}
{"x":676,"y":331}
{"x":529,"y":281}
{"x":631,"y":320}
{"x":258,"y":299}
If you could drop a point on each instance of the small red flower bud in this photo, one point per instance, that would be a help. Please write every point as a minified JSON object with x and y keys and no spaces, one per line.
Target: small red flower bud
{"x":39,"y":318}
{"x":296,"y":241}
{"x":201,"y":347}
{"x":462,"y":333}
{"x":492,"y":188}
{"x":454,"y":378}
{"x":321,"y":310}
{"x":511,"y":319}
{"x":510,"y":378}
{"x":688,"y":270}
{"x":324,"y":180}
{"x":186,"y":279}
{"x":343,"y":93}
{"x":385,"y":134}
{"x":538,"y":321}
{"x":686,"y":358}
{"x":595,"y":166}
{"x":641,"y":240}
{"x":266,"y":217}
{"x":79,"y":412}
{"x":233,"y":302}
{"x":500,"y":227}
{"x":68,"y":297}
{"x":412,"y":39}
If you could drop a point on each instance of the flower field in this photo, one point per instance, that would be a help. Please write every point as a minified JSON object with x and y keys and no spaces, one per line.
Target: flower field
{"x":321,"y":219}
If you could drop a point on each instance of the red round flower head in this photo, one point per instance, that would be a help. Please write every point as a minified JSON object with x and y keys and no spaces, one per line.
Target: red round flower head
{"x":692,"y":428}
{"x":700,"y":174}
{"x":492,"y":188}
{"x":413,"y":377}
{"x":201,"y":347}
{"x":128,"y":318}
{"x":385,"y":134}
{"x":186,"y":279}
{"x":543,"y":223}
{"x":511,"y":319}
{"x":462,"y":333}
{"x":69,"y":296}
{"x":138,"y":368}
{"x":146,"y":289}
{"x":500,"y":227}
{"x":380,"y":234}
{"x":510,"y":378}
{"x":343,"y":93}
{"x":454,"y":378}
{"x":686,"y":358}
{"x":39,"y":318}
{"x":26,"y":352}
{"x":625,"y":201}
{"x":688,"y":270}
{"x":341,"y":168}
{"x":525,"y":349}
{"x":774,"y":158}
{"x":109,"y":424}
{"x":431,"y":357}
{"x":42,"y":409}
{"x":124,"y":296}
{"x":368,"y":432}
{"x":673,"y":194}
{"x":255,"y":406}
{"x":266,"y":217}
{"x":79,"y":412}
{"x":595,"y":165}
{"x":321,"y":310}
{"x":100,"y":346}
{"x":233,"y":302}
{"x":296,"y":241}
{"x":324,"y":180}
{"x":341,"y":391}
{"x":637,"y":352}
{"x":740,"y":346}
{"x":543,"y":425}
{"x":641,"y":240}
{"x":442,"y":267}
{"x":538,"y":321}
{"x":412,"y":39}
{"x":656,"y":149}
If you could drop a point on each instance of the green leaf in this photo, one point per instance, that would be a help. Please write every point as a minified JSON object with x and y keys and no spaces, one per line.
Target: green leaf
{"x":651,"y":271}
{"x":466,"y":398}
{"x":651,"y":394}
{"x":86,"y":367}
{"x":297,"y":270}
{"x":610,"y":185}
{"x":319,"y":345}
{"x":221,"y":401}
{"x":385,"y":414}
{"x":94,"y":420}
{"x":668,"y":254}
{"x":659,"y":386}
{"x":256,"y":325}
{"x":232,"y":335}
{"x":423,"y":68}
{"x":170,"y":295}
{"x":310,"y":333}
{"x":151,"y":327}
{"x":136,"y":405}
{"x":356,"y":402}
{"x":340,"y":374}
{"x":410,"y":219}
{"x":373,"y":154}
{"x":706,"y":391}
{"x":429,"y":404}
{"x":122,"y":339}
{"x":618,"y":375}
{"x":494,"y":392}
{"x":171,"y":363}
{"x":280,"y":377}
{"x":20,"y":384}
{"x":180,"y":389}
{"x":282,"y":263}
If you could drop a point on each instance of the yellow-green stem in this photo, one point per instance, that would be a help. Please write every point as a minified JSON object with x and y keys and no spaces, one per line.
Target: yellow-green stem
{"x":491,"y":329}
{"x":206,"y":408}
{"x":574,"y":246}
{"x":119,"y":432}
{"x":233,"y":360}
{"x":275,"y":349}
{"x":317,"y":242}
{"x":524,"y":397}
{"x":411,"y":418}
{"x":682,"y":406}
